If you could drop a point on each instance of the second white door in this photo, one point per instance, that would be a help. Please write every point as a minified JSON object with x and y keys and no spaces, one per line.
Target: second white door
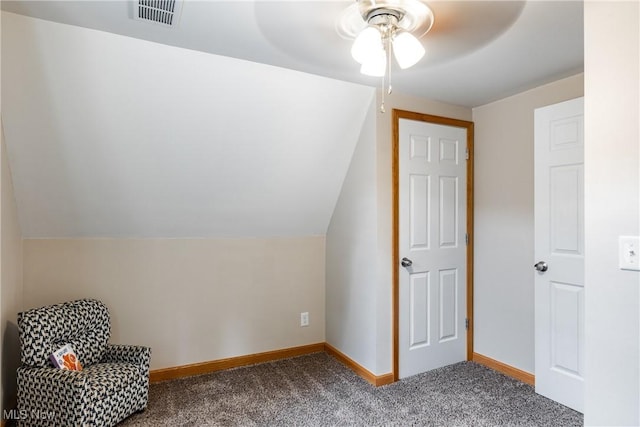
{"x":432,"y":219}
{"x":559,"y":251}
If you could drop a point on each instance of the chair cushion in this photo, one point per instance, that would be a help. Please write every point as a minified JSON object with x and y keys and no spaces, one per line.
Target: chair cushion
{"x":83,"y":323}
{"x":105,"y":379}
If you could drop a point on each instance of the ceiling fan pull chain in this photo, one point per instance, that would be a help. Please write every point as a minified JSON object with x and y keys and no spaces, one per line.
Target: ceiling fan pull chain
{"x":382,"y":110}
{"x":386,"y":44}
{"x":389,"y":47}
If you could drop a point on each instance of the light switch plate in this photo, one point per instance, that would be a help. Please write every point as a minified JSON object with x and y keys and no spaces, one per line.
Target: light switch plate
{"x":629,"y":252}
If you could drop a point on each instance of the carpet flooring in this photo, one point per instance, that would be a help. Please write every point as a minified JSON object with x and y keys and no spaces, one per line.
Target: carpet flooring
{"x":317,"y":390}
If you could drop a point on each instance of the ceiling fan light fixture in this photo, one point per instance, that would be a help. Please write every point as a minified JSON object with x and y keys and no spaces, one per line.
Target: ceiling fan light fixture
{"x":407,"y":49}
{"x":380,"y":27}
{"x":395,"y":24}
{"x":366,"y":45}
{"x":376,"y":63}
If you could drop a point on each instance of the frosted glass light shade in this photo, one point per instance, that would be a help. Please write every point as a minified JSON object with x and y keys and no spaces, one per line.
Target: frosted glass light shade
{"x":376,"y":63}
{"x":407,"y":49}
{"x":366,"y":45}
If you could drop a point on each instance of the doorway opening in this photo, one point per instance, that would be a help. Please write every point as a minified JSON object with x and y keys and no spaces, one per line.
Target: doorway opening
{"x":467,"y":153}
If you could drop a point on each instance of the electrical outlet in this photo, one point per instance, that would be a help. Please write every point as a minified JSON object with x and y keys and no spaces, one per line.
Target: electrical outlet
{"x":304,"y":319}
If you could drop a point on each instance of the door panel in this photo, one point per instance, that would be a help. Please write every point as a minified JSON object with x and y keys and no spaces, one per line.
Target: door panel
{"x":419,"y":303}
{"x":448,"y":211}
{"x":420,"y":219}
{"x":566,"y":209}
{"x":432,"y":217}
{"x":559,"y":241}
{"x":567,"y":305}
{"x":448,"y":305}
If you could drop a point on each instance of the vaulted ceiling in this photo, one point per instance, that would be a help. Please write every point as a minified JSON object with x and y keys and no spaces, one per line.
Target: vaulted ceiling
{"x":240,"y":121}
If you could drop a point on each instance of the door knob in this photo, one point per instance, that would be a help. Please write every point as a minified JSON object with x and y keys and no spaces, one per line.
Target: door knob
{"x":541,"y":266}
{"x":406,"y":262}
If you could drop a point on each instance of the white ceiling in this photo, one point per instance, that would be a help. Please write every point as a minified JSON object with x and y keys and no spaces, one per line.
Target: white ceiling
{"x":242,"y":120}
{"x":477,"y":51}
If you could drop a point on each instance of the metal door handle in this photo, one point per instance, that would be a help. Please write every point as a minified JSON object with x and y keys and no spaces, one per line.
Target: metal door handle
{"x":406,"y":262}
{"x":541,"y":266}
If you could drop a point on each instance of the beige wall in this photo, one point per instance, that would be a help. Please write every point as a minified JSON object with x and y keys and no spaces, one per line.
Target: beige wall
{"x":612,"y":209}
{"x":504,"y":235}
{"x":190,"y":300}
{"x":11,"y":281}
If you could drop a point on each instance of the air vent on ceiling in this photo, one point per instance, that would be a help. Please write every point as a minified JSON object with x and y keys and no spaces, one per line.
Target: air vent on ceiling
{"x":163,"y":12}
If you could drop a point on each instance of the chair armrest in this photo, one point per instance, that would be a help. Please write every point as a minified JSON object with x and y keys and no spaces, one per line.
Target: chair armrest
{"x":56,"y":377}
{"x":135,"y":354}
{"x":53,"y":394}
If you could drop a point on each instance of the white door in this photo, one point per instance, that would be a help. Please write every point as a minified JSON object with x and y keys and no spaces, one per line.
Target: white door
{"x":559,"y":252}
{"x":432,"y":220}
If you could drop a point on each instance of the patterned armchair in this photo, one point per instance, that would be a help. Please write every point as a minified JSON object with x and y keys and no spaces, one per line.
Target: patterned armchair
{"x":114,"y":381}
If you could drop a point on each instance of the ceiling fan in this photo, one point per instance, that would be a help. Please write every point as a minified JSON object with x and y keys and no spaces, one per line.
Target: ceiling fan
{"x":382,"y":28}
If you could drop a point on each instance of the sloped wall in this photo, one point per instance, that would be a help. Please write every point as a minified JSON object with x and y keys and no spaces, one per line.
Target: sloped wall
{"x":116,"y":137}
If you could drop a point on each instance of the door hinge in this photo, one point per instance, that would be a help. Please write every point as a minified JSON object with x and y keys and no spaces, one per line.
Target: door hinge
{"x":466,"y":153}
{"x":466,"y":238}
{"x":466,"y":324}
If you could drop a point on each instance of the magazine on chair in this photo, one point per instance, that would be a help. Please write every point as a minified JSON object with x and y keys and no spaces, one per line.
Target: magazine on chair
{"x":65,"y":358}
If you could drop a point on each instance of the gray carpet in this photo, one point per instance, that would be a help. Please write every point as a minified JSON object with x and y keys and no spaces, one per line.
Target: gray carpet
{"x":317,"y":390}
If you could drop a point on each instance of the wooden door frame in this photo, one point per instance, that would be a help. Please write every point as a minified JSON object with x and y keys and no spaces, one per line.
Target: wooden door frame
{"x":395,"y":143}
